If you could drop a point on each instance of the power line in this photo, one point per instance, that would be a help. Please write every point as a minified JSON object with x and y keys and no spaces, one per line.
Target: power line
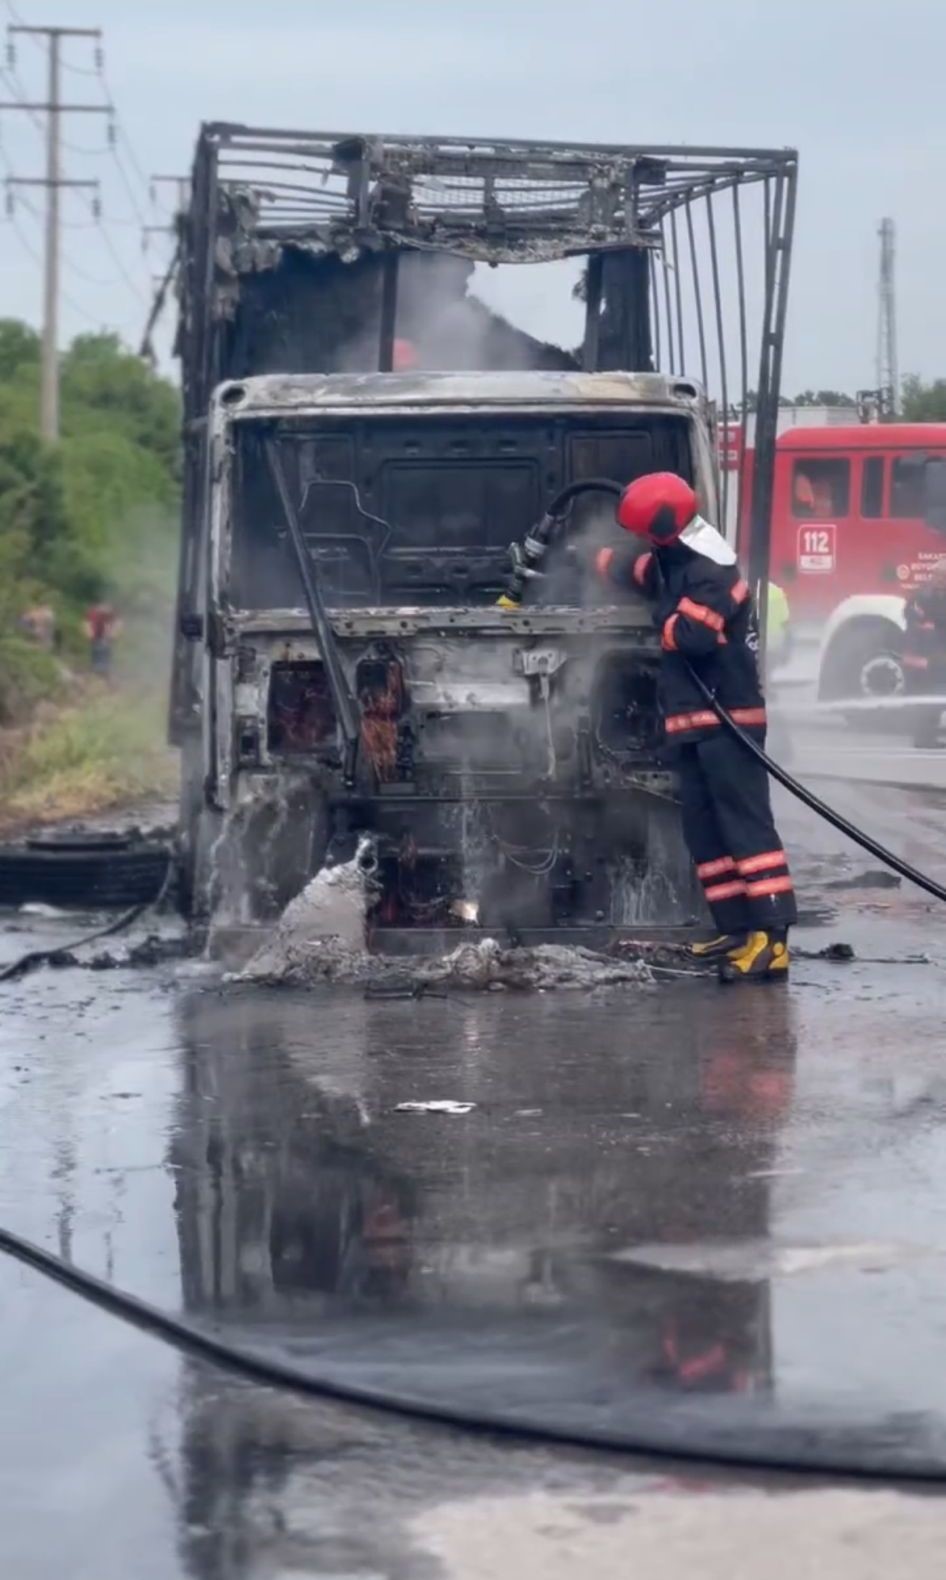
{"x":46,"y":116}
{"x":32,"y":252}
{"x":52,"y":183}
{"x":83,"y":71}
{"x":14,"y":86}
{"x":70,"y":263}
{"x":121,"y":267}
{"x":126,"y":183}
{"x":135,"y":161}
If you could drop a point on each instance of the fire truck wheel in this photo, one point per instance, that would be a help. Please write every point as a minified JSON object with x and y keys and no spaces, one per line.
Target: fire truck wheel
{"x":863,"y":663}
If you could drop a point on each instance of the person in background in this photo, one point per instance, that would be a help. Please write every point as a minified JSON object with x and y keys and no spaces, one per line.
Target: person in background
{"x":778,"y":639}
{"x":778,"y":647}
{"x":101,"y":627}
{"x":39,"y":625}
{"x":924,"y":653}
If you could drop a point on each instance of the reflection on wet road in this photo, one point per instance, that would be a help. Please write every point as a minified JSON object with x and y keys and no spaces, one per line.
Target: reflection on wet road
{"x":711,"y":1220}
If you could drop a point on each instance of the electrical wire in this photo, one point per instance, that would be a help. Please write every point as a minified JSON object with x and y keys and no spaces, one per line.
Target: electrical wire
{"x":122,"y":137}
{"x":14,"y":86}
{"x":70,"y":263}
{"x":70,"y":301}
{"x":79,"y":71}
{"x":65,"y":224}
{"x":120,"y":266}
{"x":18,"y":20}
{"x":139,"y":213}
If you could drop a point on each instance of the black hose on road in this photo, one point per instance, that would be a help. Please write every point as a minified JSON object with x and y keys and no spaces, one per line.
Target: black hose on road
{"x":271,"y":1373}
{"x":39,"y":957}
{"x":809,"y":799}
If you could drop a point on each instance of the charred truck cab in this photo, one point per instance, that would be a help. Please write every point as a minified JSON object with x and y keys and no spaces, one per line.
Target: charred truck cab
{"x":343,"y":667}
{"x":507,"y":763}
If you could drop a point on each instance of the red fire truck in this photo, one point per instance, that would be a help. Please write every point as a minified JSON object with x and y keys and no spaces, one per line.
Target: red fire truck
{"x":859,"y":517}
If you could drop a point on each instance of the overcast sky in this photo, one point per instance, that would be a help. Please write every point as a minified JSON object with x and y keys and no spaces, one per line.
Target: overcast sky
{"x":855,"y":85}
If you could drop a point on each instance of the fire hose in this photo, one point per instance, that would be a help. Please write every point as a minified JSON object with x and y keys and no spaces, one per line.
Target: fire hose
{"x":640,"y":1436}
{"x":526,"y":562}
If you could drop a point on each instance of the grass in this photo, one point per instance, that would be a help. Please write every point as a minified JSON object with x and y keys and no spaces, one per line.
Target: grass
{"x":106,"y":750}
{"x":28,"y":676}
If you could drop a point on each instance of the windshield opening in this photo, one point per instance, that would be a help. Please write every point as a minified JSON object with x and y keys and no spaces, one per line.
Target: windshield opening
{"x":421,"y":510}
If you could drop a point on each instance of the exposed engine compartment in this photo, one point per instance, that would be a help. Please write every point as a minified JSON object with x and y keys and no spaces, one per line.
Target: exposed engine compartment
{"x":509,"y":778}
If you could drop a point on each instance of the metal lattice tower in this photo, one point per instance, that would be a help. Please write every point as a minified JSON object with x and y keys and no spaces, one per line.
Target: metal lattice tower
{"x":888,"y":378}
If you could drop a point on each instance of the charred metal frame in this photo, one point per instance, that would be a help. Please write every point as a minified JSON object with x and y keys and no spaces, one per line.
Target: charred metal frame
{"x":657,"y":224}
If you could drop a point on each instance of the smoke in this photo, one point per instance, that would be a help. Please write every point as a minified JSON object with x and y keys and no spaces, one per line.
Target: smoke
{"x":449,"y":330}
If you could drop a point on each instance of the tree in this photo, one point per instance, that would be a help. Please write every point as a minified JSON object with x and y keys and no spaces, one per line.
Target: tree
{"x":105,"y":385}
{"x":823,"y":398}
{"x":920,"y":402}
{"x":19,"y":348}
{"x":96,"y":515}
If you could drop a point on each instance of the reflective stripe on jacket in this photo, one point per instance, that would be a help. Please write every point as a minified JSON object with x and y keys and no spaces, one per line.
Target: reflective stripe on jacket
{"x":705,"y":617}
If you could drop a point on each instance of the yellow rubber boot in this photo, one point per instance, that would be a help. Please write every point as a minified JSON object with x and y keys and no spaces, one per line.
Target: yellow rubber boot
{"x":764,"y":958}
{"x":722,"y":947}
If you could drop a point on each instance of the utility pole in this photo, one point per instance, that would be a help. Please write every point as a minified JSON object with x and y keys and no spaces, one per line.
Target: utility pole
{"x":53,"y":183}
{"x":49,"y":380}
{"x":888,"y":377}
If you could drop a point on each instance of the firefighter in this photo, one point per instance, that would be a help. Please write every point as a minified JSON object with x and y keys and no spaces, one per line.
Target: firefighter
{"x":703,"y":610}
{"x":924,"y":652}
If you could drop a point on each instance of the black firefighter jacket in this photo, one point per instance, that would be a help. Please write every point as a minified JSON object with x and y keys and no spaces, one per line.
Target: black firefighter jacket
{"x":704,"y":613}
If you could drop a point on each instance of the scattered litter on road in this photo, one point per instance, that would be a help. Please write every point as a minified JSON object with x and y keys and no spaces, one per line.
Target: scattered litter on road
{"x":844,"y":953}
{"x":441,"y":1105}
{"x":873,"y":878}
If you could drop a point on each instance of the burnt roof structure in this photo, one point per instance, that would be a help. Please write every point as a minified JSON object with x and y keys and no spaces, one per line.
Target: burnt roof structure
{"x":310,"y":251}
{"x":489,"y":200}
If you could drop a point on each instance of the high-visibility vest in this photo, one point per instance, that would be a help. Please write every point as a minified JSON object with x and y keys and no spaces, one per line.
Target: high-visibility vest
{"x":777,"y":615}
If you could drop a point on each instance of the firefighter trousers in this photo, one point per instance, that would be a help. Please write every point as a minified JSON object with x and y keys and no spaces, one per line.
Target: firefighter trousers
{"x":731,"y":837}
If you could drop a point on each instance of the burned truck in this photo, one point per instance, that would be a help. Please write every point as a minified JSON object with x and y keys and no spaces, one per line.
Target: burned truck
{"x":367,"y":444}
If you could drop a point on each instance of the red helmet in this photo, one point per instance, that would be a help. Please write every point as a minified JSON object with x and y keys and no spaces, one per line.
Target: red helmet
{"x":657,"y":506}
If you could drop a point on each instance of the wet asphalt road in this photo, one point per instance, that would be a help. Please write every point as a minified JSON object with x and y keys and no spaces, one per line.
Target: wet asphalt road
{"x":824,"y":746}
{"x":707,"y":1220}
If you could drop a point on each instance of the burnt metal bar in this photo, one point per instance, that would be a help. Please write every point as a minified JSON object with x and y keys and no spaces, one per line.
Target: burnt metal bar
{"x":678,"y":288}
{"x":655,"y":299}
{"x":743,"y":357}
{"x":770,"y":372}
{"x":721,"y":347}
{"x":671,"y":355}
{"x":389,"y":271}
{"x":593,"y":279}
{"x":767,"y":229}
{"x":345,"y":704}
{"x":230,"y":132}
{"x":697,"y":295}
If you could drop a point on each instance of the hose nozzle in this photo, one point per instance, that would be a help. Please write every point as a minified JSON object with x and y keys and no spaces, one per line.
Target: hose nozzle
{"x":525,"y":562}
{"x":526,"y":557}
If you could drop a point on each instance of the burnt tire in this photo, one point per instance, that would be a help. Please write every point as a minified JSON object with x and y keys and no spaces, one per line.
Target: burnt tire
{"x":82,"y":873}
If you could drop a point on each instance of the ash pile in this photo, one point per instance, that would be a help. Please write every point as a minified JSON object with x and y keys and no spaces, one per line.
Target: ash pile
{"x":321,"y":938}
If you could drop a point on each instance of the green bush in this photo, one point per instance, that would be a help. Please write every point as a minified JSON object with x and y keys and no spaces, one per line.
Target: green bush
{"x":95,"y":516}
{"x":28,"y":675}
{"x":106,"y":751}
{"x":92,"y":518}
